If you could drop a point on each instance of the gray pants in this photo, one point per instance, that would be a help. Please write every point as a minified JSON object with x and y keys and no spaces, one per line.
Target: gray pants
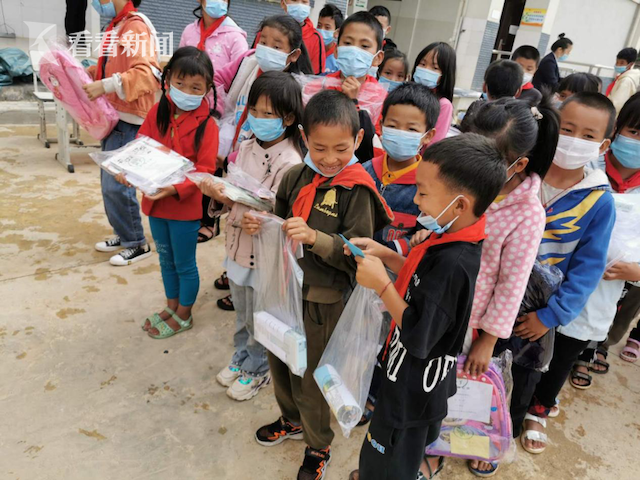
{"x":628,"y":310}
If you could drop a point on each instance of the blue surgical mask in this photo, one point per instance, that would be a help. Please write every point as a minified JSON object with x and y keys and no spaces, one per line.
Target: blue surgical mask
{"x":620,"y":70}
{"x":430,"y":223}
{"x":184,"y":101}
{"x":373,"y":71}
{"x":401,"y":145}
{"x":627,"y":151}
{"x":108,"y":10}
{"x":312,"y":166}
{"x":299,"y":11}
{"x":270,"y":59}
{"x":216,"y":9}
{"x":327,"y":36}
{"x":391,"y":84}
{"x":564,"y":58}
{"x":426,"y":77}
{"x":266,"y":129}
{"x":354,"y":61}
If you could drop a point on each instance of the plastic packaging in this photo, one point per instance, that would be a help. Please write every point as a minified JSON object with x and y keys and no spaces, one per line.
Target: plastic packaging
{"x":370,"y":97}
{"x":482,"y":429}
{"x":625,"y":238}
{"x":65,"y":76}
{"x":241,"y":187}
{"x":345,"y":369}
{"x":277,"y":318}
{"x":147,"y":165}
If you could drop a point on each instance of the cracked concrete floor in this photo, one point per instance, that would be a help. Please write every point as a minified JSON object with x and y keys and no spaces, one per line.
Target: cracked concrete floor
{"x":86,"y":395}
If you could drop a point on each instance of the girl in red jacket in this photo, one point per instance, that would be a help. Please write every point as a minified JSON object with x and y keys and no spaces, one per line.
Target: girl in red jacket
{"x":180,"y":121}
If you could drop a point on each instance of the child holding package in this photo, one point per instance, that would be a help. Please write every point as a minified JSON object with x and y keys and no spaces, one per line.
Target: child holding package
{"x":330,"y":21}
{"x":435,"y":68}
{"x":129,"y":79}
{"x":515,"y":223}
{"x":181,"y":121}
{"x":580,"y":218}
{"x":275,"y":110}
{"x":430,"y":303}
{"x":330,"y":194}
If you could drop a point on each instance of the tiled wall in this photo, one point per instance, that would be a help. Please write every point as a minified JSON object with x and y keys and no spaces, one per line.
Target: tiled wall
{"x":543,"y":44}
{"x":484,"y":57}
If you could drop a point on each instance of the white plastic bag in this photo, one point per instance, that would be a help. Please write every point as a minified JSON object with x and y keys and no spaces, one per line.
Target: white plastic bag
{"x":241,"y":187}
{"x":277,"y":318}
{"x":345,"y":370}
{"x":147,"y":164}
{"x":625,"y":238}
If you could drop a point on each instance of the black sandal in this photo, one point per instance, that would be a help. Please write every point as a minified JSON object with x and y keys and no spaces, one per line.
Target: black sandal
{"x":576,"y":375}
{"x":222,"y":283}
{"x":202,"y":238}
{"x":600,"y":363}
{"x":226,"y":303}
{"x":432,"y":473}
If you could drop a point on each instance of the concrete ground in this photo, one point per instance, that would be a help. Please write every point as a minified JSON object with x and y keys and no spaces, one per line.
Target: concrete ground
{"x":86,"y":395}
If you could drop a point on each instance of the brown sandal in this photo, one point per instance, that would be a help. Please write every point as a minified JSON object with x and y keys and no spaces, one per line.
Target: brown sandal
{"x":222,"y":283}
{"x":226,"y":303}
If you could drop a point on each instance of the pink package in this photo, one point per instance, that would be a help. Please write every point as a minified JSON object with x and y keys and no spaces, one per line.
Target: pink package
{"x":472,"y":438}
{"x":65,"y":76}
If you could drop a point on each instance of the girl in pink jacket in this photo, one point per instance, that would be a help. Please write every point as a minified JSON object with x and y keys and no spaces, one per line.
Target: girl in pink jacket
{"x":274,"y":108}
{"x":515,"y":224}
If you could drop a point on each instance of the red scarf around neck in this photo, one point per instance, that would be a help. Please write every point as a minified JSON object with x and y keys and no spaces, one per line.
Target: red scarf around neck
{"x":471,"y":234}
{"x":349,"y":177}
{"x":619,"y":184}
{"x":128,"y":8}
{"x":206,"y":33}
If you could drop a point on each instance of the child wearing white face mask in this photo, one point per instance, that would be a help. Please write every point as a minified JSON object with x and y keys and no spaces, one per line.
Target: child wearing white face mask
{"x":528,"y":57}
{"x":580,"y":217}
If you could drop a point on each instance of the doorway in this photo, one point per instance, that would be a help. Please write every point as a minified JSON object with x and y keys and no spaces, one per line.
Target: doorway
{"x":509,"y":24}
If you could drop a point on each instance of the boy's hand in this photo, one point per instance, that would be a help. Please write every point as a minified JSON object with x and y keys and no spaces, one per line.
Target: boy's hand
{"x":367,"y":245}
{"x":480,"y":355}
{"x":371,"y":273}
{"x":94,"y":89}
{"x":120,"y":178}
{"x":530,"y":327}
{"x":351,"y":87}
{"x":163,"y":193}
{"x":419,"y":237}
{"x":250,"y":224}
{"x":623,"y":271}
{"x":297,"y":229}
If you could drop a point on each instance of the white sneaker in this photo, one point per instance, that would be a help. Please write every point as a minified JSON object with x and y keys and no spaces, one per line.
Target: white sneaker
{"x":131,"y":255}
{"x":246,"y":387}
{"x":228,"y":375}
{"x":111,"y":245}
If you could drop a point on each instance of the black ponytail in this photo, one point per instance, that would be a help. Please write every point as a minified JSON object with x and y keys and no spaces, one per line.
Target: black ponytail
{"x":562,"y":42}
{"x":541,"y":156}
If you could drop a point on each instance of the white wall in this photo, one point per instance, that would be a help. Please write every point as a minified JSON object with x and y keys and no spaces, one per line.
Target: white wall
{"x":43,"y":11}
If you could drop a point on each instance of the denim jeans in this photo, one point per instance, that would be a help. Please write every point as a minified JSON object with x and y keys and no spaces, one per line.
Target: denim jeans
{"x":120,"y":202}
{"x":176,"y":242}
{"x":249,"y":356}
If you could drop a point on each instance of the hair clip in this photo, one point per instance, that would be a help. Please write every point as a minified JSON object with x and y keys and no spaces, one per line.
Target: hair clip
{"x":536,"y":113}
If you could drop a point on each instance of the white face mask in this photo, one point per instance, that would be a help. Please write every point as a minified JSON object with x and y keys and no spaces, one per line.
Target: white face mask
{"x":526,"y":78}
{"x":573,"y":153}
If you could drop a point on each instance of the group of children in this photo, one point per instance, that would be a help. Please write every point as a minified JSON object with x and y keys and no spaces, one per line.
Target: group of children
{"x":450,"y":227}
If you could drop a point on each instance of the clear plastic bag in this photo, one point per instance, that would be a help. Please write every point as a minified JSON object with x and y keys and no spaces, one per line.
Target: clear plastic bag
{"x":277,"y":318}
{"x":478,"y":425}
{"x":241,"y":187}
{"x":146,"y":164}
{"x":345,"y":370}
{"x":625,"y":238}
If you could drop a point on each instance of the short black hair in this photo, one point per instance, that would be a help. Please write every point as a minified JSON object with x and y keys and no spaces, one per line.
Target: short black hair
{"x":330,"y":10}
{"x":470,"y":163}
{"x":331,"y":107}
{"x":418,"y":96}
{"x":136,"y":3}
{"x":597,"y":101}
{"x":368,"y":19}
{"x":579,"y":82}
{"x":380,"y":11}
{"x":391,"y":54}
{"x":503,"y":79}
{"x":562,"y":42}
{"x":630,"y":55}
{"x":629,"y":116}
{"x":446,"y":58}
{"x":526,"y":51}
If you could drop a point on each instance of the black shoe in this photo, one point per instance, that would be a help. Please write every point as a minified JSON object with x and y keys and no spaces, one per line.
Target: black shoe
{"x":315,"y":464}
{"x":278,"y":432}
{"x":131,"y":255}
{"x":226,"y":303}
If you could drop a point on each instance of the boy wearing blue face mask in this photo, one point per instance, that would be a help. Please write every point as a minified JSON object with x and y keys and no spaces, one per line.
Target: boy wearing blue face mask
{"x":430,"y":303}
{"x":330,"y":194}
{"x":409,"y":114}
{"x":330,"y":20}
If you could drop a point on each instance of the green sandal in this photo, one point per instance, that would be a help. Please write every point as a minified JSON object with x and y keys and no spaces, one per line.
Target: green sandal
{"x":155,"y":319}
{"x":165,"y":331}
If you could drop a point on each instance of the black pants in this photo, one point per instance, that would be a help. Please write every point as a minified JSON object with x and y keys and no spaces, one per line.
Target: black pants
{"x":524,"y":385}
{"x":394,"y":454}
{"x":74,"y":19}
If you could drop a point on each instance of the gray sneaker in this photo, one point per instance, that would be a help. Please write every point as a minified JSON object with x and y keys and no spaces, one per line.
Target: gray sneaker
{"x":246,"y":387}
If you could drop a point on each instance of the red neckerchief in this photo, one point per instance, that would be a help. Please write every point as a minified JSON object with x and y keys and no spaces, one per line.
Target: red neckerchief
{"x":330,"y":50}
{"x":471,"y":234}
{"x":204,"y":34}
{"x":349,"y":177}
{"x":128,"y":8}
{"x":187,"y":122}
{"x":611,"y":85}
{"x":617,"y":182}
{"x":527,"y":86}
